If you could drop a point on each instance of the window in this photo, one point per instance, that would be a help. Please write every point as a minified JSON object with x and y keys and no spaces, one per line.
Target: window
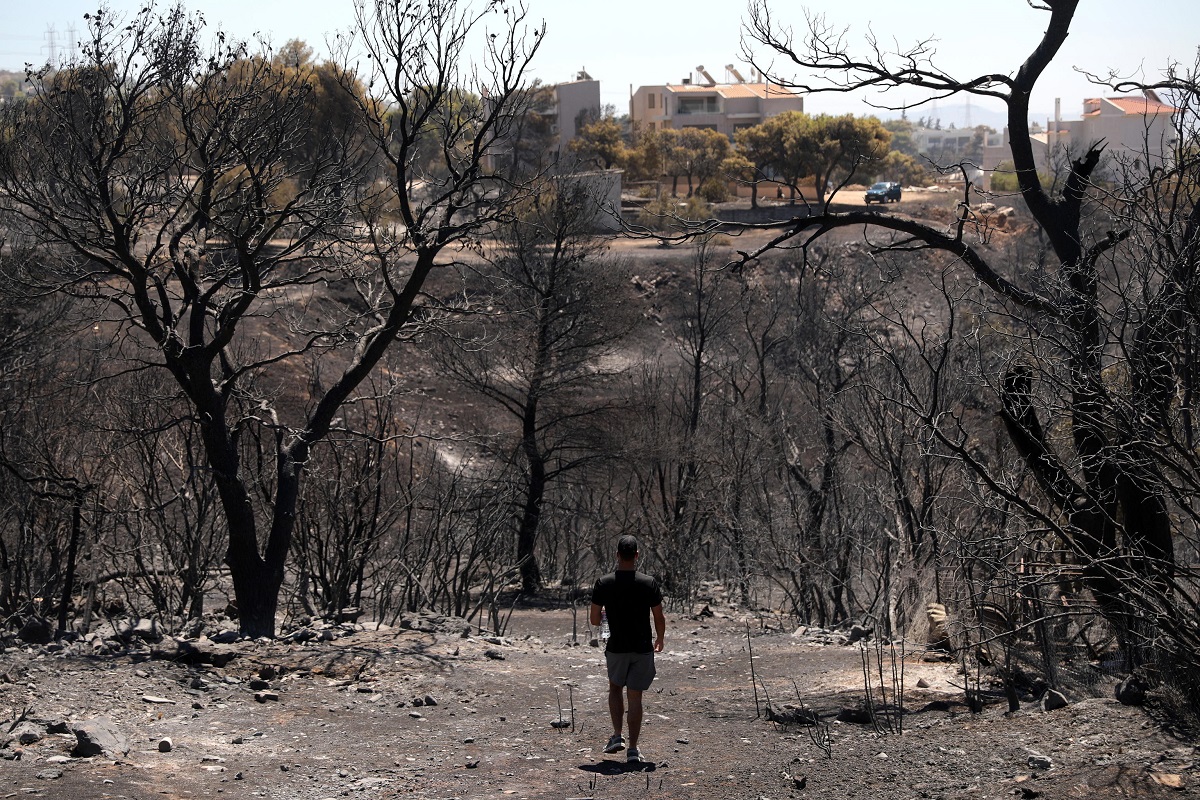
{"x":650,"y":100}
{"x":698,"y":105}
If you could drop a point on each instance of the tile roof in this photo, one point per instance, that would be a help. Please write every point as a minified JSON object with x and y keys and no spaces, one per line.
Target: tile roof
{"x":1141,"y":105}
{"x":735,"y":89}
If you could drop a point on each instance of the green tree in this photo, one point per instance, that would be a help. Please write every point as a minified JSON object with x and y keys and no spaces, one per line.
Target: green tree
{"x":693,"y":153}
{"x":835,"y":148}
{"x":903,"y":140}
{"x":902,"y":168}
{"x":601,"y":144}
{"x":760,"y":146}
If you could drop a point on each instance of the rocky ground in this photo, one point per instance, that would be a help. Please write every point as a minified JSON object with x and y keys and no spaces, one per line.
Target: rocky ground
{"x":426,"y":711}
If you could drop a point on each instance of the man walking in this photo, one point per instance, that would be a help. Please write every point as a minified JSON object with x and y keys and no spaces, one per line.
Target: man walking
{"x":629,"y":598}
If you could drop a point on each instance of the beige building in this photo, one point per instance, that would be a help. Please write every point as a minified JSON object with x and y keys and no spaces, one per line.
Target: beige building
{"x":724,"y":107}
{"x":572,"y":102}
{"x":1134,"y":130}
{"x":542,"y":138}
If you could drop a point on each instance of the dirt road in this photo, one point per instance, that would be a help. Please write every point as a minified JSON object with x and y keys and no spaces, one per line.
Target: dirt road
{"x":345,"y":724}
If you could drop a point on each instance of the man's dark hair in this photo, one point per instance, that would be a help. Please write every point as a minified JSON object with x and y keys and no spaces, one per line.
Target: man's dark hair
{"x":627,"y":546}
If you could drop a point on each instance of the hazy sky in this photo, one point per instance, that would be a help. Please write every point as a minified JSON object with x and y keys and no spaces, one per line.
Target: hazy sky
{"x":624,"y":42}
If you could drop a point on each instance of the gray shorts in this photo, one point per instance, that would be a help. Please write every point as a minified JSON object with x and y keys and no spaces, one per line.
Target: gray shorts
{"x":633,"y":670}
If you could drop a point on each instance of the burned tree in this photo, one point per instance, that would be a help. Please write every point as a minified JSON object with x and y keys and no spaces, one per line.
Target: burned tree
{"x":1098,"y":400}
{"x":169,"y":178}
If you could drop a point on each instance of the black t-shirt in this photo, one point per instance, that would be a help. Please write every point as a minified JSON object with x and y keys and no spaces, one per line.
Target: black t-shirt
{"x":627,"y":597}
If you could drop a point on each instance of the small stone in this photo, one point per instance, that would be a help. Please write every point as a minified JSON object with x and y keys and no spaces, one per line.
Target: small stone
{"x":165,"y":745}
{"x":263,"y":697}
{"x":268,"y":673}
{"x":1039,"y":761}
{"x":49,"y":775}
{"x":154,"y":700}
{"x":238,"y":740}
{"x":415,"y":715}
{"x":417,"y":702}
{"x":494,"y":654}
{"x":922,"y":683}
{"x":469,"y":740}
{"x":429,"y":701}
{"x":238,"y":777}
{"x":95,"y":736}
{"x":1169,"y":780}
{"x":682,"y":741}
{"x":283,"y":767}
{"x":799,"y":781}
{"x":472,"y":763}
{"x":258,"y":684}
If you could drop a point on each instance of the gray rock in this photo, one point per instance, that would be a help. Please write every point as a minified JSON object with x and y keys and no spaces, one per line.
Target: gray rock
{"x":494,"y":654}
{"x":263,"y":697}
{"x":96,"y":736}
{"x":26,"y":733}
{"x":192,"y":629}
{"x":144,"y":629}
{"x":36,"y":630}
{"x":49,"y":775}
{"x":1131,"y":691}
{"x":860,"y":716}
{"x":429,"y":701}
{"x":258,"y":684}
{"x":857,"y":634}
{"x":200,"y":651}
{"x":1039,"y":761}
{"x":1054,"y":700}
{"x":791,"y":715}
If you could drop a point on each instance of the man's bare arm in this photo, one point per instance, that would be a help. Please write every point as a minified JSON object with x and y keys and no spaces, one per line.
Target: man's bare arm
{"x":594,"y":617}
{"x":660,"y":627}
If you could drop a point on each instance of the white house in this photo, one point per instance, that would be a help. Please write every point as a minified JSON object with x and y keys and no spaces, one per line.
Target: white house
{"x":724,"y":107}
{"x":1135,"y":130}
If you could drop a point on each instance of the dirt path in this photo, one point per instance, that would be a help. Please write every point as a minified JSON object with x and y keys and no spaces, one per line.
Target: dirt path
{"x":345,"y":725}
